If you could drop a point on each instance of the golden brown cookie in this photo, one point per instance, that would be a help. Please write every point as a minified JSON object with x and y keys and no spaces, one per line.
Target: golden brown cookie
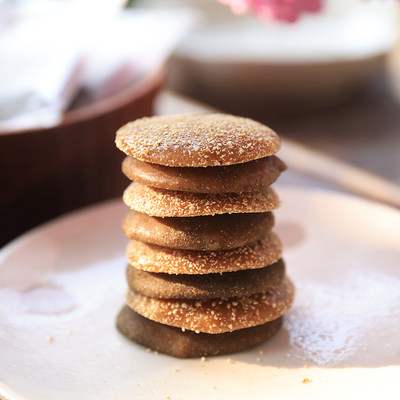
{"x":152,"y":258}
{"x":197,"y":140}
{"x":171,"y":203}
{"x":174,"y":342}
{"x":246,"y":177}
{"x":216,"y":315}
{"x":208,"y":286}
{"x":218,"y":232}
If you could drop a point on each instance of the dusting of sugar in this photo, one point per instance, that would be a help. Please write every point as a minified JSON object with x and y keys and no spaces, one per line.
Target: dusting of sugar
{"x":335,"y":322}
{"x":46,"y":299}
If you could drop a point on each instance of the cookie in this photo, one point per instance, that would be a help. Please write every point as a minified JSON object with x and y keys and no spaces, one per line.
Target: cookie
{"x":215,"y":315}
{"x":188,"y":344}
{"x":246,"y":177}
{"x":171,"y":203}
{"x":219,"y":232}
{"x":152,"y":258}
{"x":209,"y":286}
{"x":197,"y":140}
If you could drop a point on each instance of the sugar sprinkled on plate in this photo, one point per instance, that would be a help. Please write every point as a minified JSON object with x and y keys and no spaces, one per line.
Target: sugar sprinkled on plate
{"x":332,"y":324}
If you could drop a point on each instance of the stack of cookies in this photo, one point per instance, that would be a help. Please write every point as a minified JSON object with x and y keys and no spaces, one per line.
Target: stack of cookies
{"x":205,"y":272}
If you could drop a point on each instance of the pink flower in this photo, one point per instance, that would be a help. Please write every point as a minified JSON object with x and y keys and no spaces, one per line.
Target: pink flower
{"x":284,"y":10}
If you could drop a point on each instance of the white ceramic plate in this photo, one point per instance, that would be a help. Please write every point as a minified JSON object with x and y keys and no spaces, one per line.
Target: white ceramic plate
{"x":62,"y":285}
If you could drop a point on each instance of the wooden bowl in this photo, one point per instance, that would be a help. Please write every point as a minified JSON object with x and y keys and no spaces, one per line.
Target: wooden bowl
{"x":47,"y":172}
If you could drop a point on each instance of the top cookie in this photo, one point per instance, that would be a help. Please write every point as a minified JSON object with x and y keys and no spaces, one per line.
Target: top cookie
{"x":197,"y":140}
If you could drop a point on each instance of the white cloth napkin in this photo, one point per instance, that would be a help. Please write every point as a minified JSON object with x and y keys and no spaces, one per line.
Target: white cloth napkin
{"x":50,"y":51}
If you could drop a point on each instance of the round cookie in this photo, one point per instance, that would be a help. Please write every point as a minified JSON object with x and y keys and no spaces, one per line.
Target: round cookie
{"x":208,"y":286}
{"x":216,"y":315}
{"x":152,"y":258}
{"x":174,"y":342}
{"x":171,"y":203}
{"x":219,"y":232}
{"x":197,"y":140}
{"x":246,"y":177}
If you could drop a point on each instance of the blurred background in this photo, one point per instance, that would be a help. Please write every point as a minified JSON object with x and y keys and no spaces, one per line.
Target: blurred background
{"x":325,"y":74}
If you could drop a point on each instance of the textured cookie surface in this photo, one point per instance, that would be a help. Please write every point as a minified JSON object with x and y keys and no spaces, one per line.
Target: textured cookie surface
{"x":174,"y":342}
{"x":246,"y":177}
{"x":218,"y":232}
{"x":172,"y":203}
{"x":208,"y":286}
{"x":197,"y":140}
{"x":152,"y":258}
{"x":218,"y":315}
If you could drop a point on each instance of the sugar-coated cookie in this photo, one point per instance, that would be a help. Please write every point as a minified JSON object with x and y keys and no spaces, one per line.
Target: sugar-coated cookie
{"x":216,"y":315}
{"x":172,"y":203}
{"x":208,"y":286}
{"x":219,"y":232}
{"x":188,"y":344}
{"x":246,"y":177}
{"x":153,"y":258}
{"x":197,"y":140}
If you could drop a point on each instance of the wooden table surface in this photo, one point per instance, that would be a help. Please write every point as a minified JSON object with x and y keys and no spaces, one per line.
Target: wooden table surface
{"x":364,"y":130}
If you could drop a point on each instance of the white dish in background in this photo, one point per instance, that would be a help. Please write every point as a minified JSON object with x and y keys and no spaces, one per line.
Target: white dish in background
{"x":62,"y":285}
{"x":232,"y":61}
{"x":343,"y":30}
